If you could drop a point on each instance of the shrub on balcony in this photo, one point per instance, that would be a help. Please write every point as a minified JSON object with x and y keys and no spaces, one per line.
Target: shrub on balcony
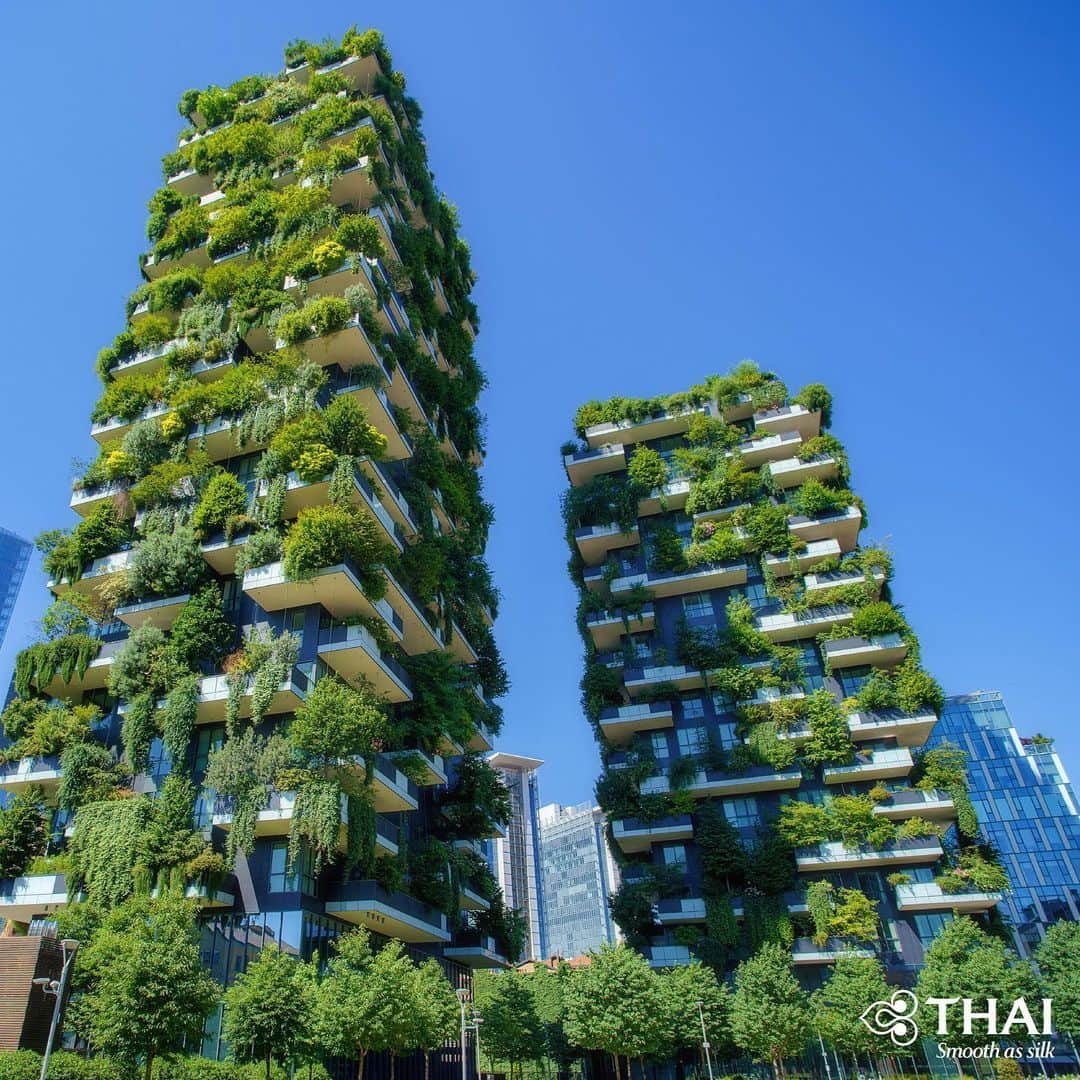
{"x":768,"y":748}
{"x":768,"y":395}
{"x":822,"y":446}
{"x":22,"y":832}
{"x":222,"y":506}
{"x":103,"y":531}
{"x":200,"y":634}
{"x":128,"y":397}
{"x":816,"y":397}
{"x":361,"y":234}
{"x":766,"y":528}
{"x":713,"y":544}
{"x":974,"y":869}
{"x":666,"y":554}
{"x":477,"y":800}
{"x":338,"y":722}
{"x":815,"y":499}
{"x":45,"y":728}
{"x":841,"y":913}
{"x":876,"y":619}
{"x":37,"y":665}
{"x":166,"y":564}
{"x":327,"y":535}
{"x":187,"y":228}
{"x":89,"y":774}
{"x":262,"y":547}
{"x":647,"y":469}
{"x":803,"y":824}
{"x":916,"y":690}
{"x":853,"y":822}
{"x":830,"y":740}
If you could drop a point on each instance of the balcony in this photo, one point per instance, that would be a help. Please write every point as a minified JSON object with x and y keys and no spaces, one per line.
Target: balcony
{"x":721,"y":513}
{"x":741,"y":409}
{"x":672,"y":496}
{"x":906,"y":728}
{"x":769,"y":450}
{"x":203,"y":895}
{"x":874,"y":765}
{"x":793,"y":471}
{"x":380,"y":413}
{"x":275,"y":819}
{"x":621,"y":724}
{"x":96,"y":676}
{"x":817,"y":551}
{"x":300,"y":494}
{"x":880,"y":650}
{"x":154,"y":268}
{"x":708,"y":783}
{"x":769,"y":695}
{"x":607,"y":627}
{"x":916,"y":802}
{"x":470,"y":899}
{"x":353,"y":653}
{"x":929,"y":896}
{"x":459,"y":645}
{"x":634,"y":835}
{"x":596,"y":541}
{"x":433,"y":764}
{"x":387,"y":837}
{"x":160,"y":612}
{"x":214,"y":693}
{"x":336,"y":588}
{"x":640,"y":680}
{"x":689,"y":909}
{"x":792,"y":626}
{"x":842,"y":527}
{"x":655,"y":427}
{"x":147,"y":361}
{"x":678,"y":583}
{"x":475,"y":950}
{"x":837,"y":579}
{"x":421,"y":635}
{"x":833,"y":855}
{"x":391,"y":790}
{"x":789,"y":418}
{"x":108,"y":568}
{"x":583,"y":465}
{"x":481,"y":740}
{"x":24,"y":773}
{"x":806,"y":951}
{"x":662,"y":956}
{"x":190,"y":183}
{"x":221,"y":551}
{"x":23,"y":899}
{"x":359,"y":72}
{"x":345,"y":348}
{"x":394,"y":914}
{"x":116,"y":427}
{"x":85,"y":500}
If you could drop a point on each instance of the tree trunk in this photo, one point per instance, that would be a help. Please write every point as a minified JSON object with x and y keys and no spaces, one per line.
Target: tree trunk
{"x":149,"y":1065}
{"x":427,"y":1065}
{"x":267,"y":1063}
{"x":393,"y":1060}
{"x":360,"y":1065}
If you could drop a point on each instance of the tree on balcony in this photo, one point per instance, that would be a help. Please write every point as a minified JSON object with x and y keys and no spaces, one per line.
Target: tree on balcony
{"x":22,"y":832}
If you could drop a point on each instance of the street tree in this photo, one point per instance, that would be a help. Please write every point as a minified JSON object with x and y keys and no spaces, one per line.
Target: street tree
{"x":436,"y":1011}
{"x":683,"y":988}
{"x":854,"y":985}
{"x":1058,"y":958}
{"x":511,"y":1030}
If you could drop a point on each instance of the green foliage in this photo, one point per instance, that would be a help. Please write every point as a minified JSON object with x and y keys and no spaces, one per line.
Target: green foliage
{"x":101,"y":532}
{"x":830,"y":741}
{"x":327,"y":535}
{"x":477,"y":800}
{"x":141,"y":666}
{"x":647,"y":469}
{"x":338,"y":722}
{"x":89,"y":775}
{"x":770,"y":1014}
{"x":105,"y":847}
{"x":166,"y":564}
{"x":1058,"y":959}
{"x":854,"y":985}
{"x":512,"y":1029}
{"x":222,"y":505}
{"x":816,"y":397}
{"x":37,"y":665}
{"x":666,"y":550}
{"x":45,"y":728}
{"x":179,"y":716}
{"x":200,"y":633}
{"x":22,"y":832}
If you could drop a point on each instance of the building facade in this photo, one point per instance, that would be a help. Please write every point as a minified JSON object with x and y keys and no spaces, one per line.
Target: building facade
{"x":1027,"y":810}
{"x":275,"y":605}
{"x":758,"y":700}
{"x":515,"y":854}
{"x":14,"y":559}
{"x":578,"y":877}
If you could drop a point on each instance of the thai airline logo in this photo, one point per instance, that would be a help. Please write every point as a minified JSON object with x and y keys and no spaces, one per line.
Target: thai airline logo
{"x":895,"y":1018}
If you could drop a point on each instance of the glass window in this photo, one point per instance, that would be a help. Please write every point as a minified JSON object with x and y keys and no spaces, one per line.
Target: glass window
{"x":693,"y":740}
{"x":659,"y":744}
{"x":727,"y":736}
{"x":693,"y":708}
{"x":675,"y":855}
{"x":284,"y":878}
{"x":757,"y":596}
{"x":742,"y":812}
{"x":697,"y":606}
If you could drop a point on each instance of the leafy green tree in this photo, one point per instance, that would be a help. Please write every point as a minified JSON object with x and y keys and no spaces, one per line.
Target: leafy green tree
{"x":436,"y":1013}
{"x":683,"y":987}
{"x":394,"y":977}
{"x":200,"y":631}
{"x":548,"y":987}
{"x":615,"y":1005}
{"x":512,"y":1030}
{"x":269,"y":1009}
{"x":1058,"y":957}
{"x":854,"y":985}
{"x":337,"y":721}
{"x":347,"y":1002}
{"x":152,"y":993}
{"x":770,"y":1014}
{"x":964,"y":956}
{"x":22,"y":832}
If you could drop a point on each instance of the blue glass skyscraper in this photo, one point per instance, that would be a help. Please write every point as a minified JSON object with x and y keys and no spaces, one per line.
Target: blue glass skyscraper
{"x":14,"y":559}
{"x":1027,"y":809}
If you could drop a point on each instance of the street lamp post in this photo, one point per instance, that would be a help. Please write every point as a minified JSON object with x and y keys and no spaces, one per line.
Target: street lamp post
{"x":704,"y":1038}
{"x":468,"y":1025}
{"x":68,"y":947}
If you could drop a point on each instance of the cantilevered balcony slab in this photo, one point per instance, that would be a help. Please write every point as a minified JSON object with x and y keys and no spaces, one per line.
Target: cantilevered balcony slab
{"x":931,"y":805}
{"x":203,"y":895}
{"x":714,"y":782}
{"x":476,"y":951}
{"x":834,"y":855}
{"x":817,"y":551}
{"x":908,"y":729}
{"x":85,"y":500}
{"x":481,"y":741}
{"x":460,"y":646}
{"x":742,"y":408}
{"x":929,"y":896}
{"x":634,"y":835}
{"x":720,"y":513}
{"x":24,"y":773}
{"x":770,"y":449}
{"x":346,"y":347}
{"x":872,"y":765}
{"x":820,"y":584}
{"x":433,"y":765}
{"x":792,"y":471}
{"x":380,"y":414}
{"x":842,"y":527}
{"x":107,"y":569}
{"x":154,"y":267}
{"x":672,"y":496}
{"x":470,"y":899}
{"x":679,"y":583}
{"x":680,"y":911}
{"x":594,"y":542}
{"x":336,"y":588}
{"x":654,"y":427}
{"x":147,"y":361}
{"x":391,"y":790}
{"x":221,"y":551}
{"x":770,"y":695}
{"x":23,"y":899}
{"x":621,"y":724}
{"x":664,"y":956}
{"x":641,"y":680}
{"x":275,"y":819}
{"x":789,"y":418}
{"x":190,"y":184}
{"x":806,"y":952}
{"x":881,"y":650}
{"x":792,"y":626}
{"x":606,"y":628}
{"x":96,"y":676}
{"x":421,"y":633}
{"x":393,"y":914}
{"x":583,"y":465}
{"x":160,"y":612}
{"x":214,"y":694}
{"x":116,"y":427}
{"x":387,"y":838}
{"x":353,"y":653}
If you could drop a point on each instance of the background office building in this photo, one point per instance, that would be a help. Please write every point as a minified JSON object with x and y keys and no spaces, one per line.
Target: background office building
{"x":515,"y":856}
{"x":578,"y":876}
{"x":1027,"y":809}
{"x":14,"y":559}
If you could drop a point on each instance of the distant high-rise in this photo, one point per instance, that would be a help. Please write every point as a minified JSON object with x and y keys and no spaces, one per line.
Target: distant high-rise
{"x":516,"y":856}
{"x":1027,"y":809}
{"x":14,"y":559}
{"x":577,"y":877}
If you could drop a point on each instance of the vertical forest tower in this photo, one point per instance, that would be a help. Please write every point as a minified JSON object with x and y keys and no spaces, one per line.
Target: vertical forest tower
{"x":268,"y":676}
{"x":757,"y":697}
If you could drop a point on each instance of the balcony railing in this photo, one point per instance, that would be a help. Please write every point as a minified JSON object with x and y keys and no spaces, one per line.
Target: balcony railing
{"x":395,"y":914}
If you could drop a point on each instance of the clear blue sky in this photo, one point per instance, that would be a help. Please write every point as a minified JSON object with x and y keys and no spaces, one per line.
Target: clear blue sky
{"x":879,"y":197}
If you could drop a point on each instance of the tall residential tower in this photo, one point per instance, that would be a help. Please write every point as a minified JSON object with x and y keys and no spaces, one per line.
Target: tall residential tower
{"x":273,"y":620}
{"x":758,"y":700}
{"x":14,"y":559}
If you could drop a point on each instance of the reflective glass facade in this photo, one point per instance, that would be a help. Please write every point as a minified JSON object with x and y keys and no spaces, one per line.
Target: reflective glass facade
{"x":14,"y":559}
